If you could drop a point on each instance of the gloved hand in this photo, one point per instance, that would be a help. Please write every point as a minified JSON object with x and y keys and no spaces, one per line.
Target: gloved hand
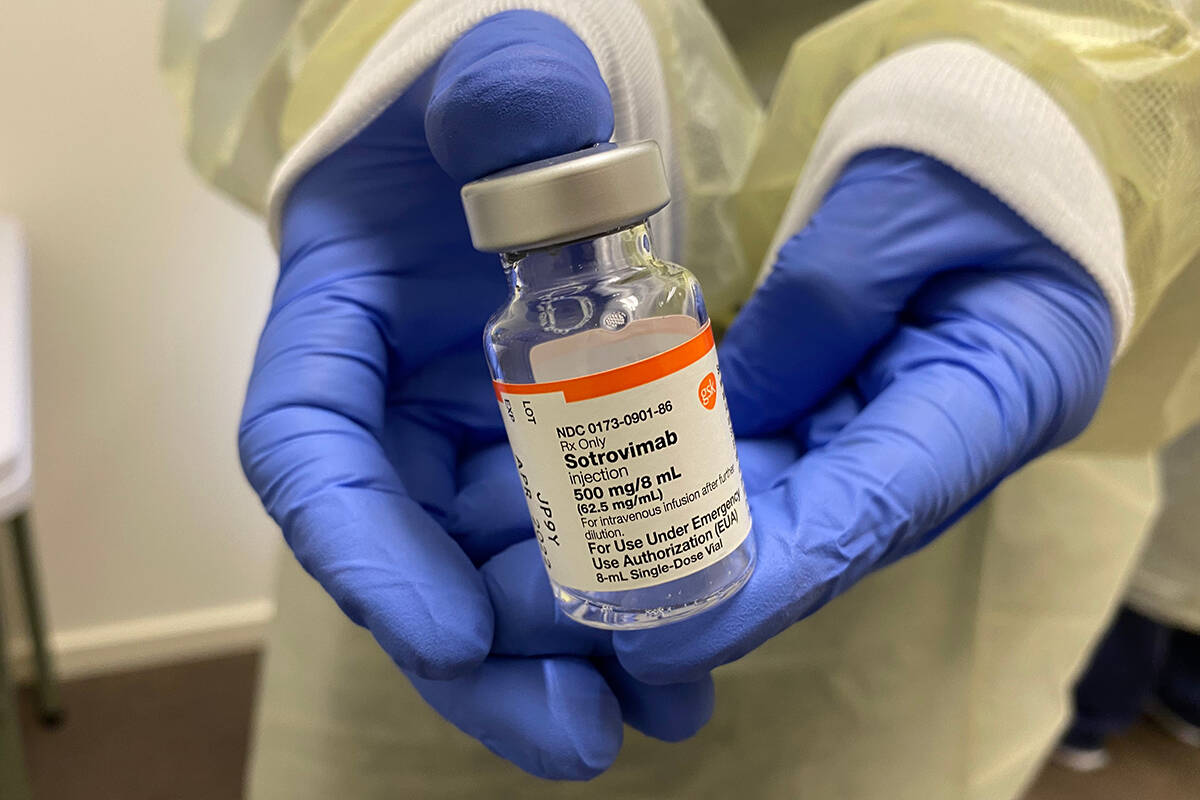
{"x":920,"y":342}
{"x":370,"y":428}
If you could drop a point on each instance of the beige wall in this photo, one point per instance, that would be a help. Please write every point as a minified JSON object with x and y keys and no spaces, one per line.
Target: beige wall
{"x":148,"y":291}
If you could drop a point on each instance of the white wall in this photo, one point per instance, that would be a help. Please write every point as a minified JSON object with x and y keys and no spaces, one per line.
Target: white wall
{"x":148,"y":291}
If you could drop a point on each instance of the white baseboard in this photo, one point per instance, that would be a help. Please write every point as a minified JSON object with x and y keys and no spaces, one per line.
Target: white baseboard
{"x":150,"y":641}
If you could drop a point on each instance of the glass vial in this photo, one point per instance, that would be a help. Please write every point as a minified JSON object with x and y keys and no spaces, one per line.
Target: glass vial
{"x":606,"y":375}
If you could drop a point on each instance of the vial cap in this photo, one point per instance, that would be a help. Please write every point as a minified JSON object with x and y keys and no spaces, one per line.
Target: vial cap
{"x":561,"y":199}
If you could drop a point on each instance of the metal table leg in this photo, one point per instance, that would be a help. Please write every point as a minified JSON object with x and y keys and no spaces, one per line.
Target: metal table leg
{"x":49,"y":704}
{"x":13,"y":781}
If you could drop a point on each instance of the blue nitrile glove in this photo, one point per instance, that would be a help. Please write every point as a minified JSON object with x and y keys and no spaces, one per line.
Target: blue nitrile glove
{"x":921,"y":342}
{"x":371,"y":430}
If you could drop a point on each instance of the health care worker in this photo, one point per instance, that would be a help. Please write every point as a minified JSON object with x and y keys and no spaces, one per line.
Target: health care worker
{"x":972,"y":217}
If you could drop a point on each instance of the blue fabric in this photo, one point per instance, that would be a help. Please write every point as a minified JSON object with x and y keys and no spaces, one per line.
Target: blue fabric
{"x":1179,"y":683}
{"x":1138,"y":658}
{"x":915,"y":344}
{"x":1118,"y":681}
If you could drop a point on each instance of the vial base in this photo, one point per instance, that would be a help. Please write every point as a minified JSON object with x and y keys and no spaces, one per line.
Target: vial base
{"x":652,"y":606}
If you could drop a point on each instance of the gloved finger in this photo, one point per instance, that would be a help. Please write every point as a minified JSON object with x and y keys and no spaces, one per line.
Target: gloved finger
{"x":672,"y":712}
{"x":439,"y":409}
{"x":954,"y":406}
{"x":489,"y":513}
{"x":838,"y":286}
{"x":764,"y":460}
{"x":309,"y":442}
{"x":529,"y":623}
{"x":528,"y":620}
{"x":826,"y":421}
{"x":518,"y":87}
{"x":555,"y":718}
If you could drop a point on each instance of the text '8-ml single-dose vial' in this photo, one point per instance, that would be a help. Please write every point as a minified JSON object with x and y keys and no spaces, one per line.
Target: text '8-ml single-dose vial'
{"x":606,"y":375}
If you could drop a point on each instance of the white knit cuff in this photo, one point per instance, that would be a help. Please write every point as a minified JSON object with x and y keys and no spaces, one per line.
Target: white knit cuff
{"x":615,"y":31}
{"x":960,"y":104}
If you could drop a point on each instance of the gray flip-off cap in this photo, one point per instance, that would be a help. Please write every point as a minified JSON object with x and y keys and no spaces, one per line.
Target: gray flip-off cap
{"x":567,"y":197}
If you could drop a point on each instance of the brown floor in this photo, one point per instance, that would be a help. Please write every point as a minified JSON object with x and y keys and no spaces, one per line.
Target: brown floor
{"x":1146,"y":764}
{"x":180,"y":733}
{"x":170,"y":733}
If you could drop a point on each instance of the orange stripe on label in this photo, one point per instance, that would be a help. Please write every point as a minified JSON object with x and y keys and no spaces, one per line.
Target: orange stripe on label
{"x":619,"y":379}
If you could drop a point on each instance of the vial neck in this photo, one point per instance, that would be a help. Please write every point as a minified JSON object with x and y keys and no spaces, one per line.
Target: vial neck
{"x":589,"y":259}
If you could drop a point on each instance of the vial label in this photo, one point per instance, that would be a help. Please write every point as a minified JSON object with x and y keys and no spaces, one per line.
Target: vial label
{"x":631,"y":474}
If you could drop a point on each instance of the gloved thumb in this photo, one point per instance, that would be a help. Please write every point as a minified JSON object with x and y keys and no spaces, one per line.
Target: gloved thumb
{"x":518,"y":87}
